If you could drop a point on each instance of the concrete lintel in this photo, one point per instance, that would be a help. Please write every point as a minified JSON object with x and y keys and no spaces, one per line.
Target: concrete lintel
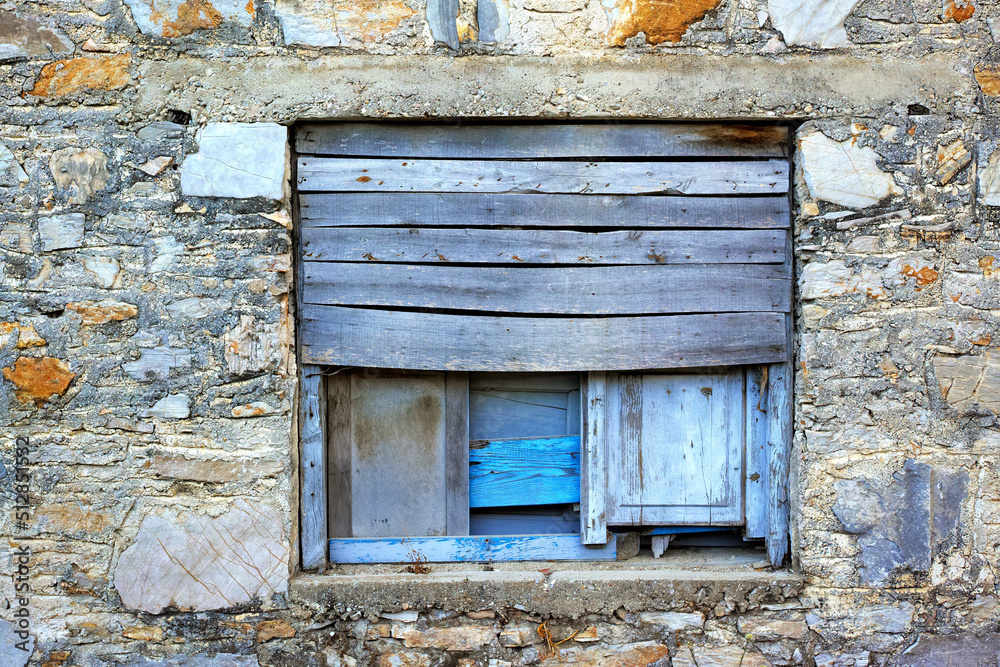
{"x":285,"y":89}
{"x":564,"y":593}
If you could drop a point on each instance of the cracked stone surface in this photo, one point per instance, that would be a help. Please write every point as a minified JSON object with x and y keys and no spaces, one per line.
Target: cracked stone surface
{"x":815,"y":23}
{"x":193,"y":562}
{"x":843,"y":172}
{"x":239,"y":160}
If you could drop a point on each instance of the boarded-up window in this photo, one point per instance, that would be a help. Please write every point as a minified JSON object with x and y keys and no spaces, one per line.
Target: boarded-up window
{"x":648,"y":261}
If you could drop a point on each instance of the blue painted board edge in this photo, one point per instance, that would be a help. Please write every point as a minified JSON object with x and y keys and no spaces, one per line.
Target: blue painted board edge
{"x":549,"y":473}
{"x":472,"y":548}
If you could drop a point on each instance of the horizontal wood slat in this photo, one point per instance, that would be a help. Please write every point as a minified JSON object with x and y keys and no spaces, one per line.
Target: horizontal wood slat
{"x":541,"y":246}
{"x":594,"y":290}
{"x":473,"y":548}
{"x":592,"y":178}
{"x":542,"y":141}
{"x":386,"y":339}
{"x":363,"y":209}
{"x":524,"y":471}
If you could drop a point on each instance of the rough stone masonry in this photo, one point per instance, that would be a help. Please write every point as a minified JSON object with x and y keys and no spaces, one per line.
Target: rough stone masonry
{"x":147,"y":327}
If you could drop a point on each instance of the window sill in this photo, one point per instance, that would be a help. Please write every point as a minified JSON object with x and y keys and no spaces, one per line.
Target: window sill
{"x":704,"y":577}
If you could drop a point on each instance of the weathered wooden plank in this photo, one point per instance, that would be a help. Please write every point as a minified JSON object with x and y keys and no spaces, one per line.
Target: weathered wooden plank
{"x":473,"y":548}
{"x":593,"y":290}
{"x":524,"y":471}
{"x":756,"y":477}
{"x":386,"y":339}
{"x":442,"y":19}
{"x":675,"y":453}
{"x":399,"y":455}
{"x":365,"y":209}
{"x":593,"y":459}
{"x":338,"y":415}
{"x":526,"y":382}
{"x":521,"y":522}
{"x":541,"y":246}
{"x":554,"y":177}
{"x":517,"y":414}
{"x":542,"y":140}
{"x":779,"y":438}
{"x":456,"y":410}
{"x":312,"y":450}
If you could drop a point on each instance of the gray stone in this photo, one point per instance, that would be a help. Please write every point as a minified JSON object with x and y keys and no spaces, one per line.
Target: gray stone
{"x":307,"y":22}
{"x":969,"y":380}
{"x":11,"y":652}
{"x":195,"y":308}
{"x":25,"y":37}
{"x":903,"y":524}
{"x":168,"y":18}
{"x":843,"y":172}
{"x":10,"y":166}
{"x":165,"y":252}
{"x":989,"y":180}
{"x":155,"y":364}
{"x":161,"y":129}
{"x":176,"y":406}
{"x":105,"y":269}
{"x":196,"y":660}
{"x":815,"y":23}
{"x":82,"y":171}
{"x":59,"y":232}
{"x":952,"y":651}
{"x":239,"y":160}
{"x":673,"y":621}
{"x":194,"y":562}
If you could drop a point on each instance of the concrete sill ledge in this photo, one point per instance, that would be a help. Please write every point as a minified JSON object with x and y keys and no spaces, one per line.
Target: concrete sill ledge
{"x":567,"y":591}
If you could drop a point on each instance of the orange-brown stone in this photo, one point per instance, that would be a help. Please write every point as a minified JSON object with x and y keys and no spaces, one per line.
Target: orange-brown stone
{"x":72,"y":518}
{"x":38,"y":379}
{"x":988,"y":78}
{"x":959,"y":12}
{"x":660,"y":20}
{"x":370,"y":20}
{"x":69,"y":76}
{"x":267,"y":630}
{"x":102,"y":312}
{"x":193,"y":15}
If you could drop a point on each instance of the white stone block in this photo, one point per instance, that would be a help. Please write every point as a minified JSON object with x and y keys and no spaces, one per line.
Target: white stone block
{"x":843,"y":172}
{"x":239,"y":160}
{"x":815,"y":23}
{"x":59,"y":232}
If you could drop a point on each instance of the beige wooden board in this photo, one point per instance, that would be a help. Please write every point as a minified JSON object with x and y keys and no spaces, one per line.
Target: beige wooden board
{"x":592,"y":178}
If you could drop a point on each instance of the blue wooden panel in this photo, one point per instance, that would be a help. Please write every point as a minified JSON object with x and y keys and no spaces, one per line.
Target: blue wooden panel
{"x":682,"y":530}
{"x":528,"y":471}
{"x":467,"y":549}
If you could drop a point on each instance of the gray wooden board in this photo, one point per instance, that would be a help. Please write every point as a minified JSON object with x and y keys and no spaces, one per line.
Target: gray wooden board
{"x":542,"y":246}
{"x":312,"y":449}
{"x":522,"y":523}
{"x":475,"y":548}
{"x":593,"y":290}
{"x":756,"y":478}
{"x":593,"y":178}
{"x":545,"y":382}
{"x":675,"y":449}
{"x":518,"y":414}
{"x":399,"y":455}
{"x":779,"y":438}
{"x":432,"y":341}
{"x":593,"y":459}
{"x":367,"y":209}
{"x":542,"y":140}
{"x":457,"y":452}
{"x":339,"y":448}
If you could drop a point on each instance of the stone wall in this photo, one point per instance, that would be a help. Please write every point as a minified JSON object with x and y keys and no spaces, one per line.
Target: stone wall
{"x":147,"y":327}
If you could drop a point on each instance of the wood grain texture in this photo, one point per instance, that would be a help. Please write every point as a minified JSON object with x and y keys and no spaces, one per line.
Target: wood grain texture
{"x":475,"y":548}
{"x":593,"y":458}
{"x":595,"y":290}
{"x":541,"y":140}
{"x":385,"y":339}
{"x":366,"y":209}
{"x":675,"y":453}
{"x":516,"y":247}
{"x":339,"y":448}
{"x":592,"y":178}
{"x":524,"y":471}
{"x":456,"y":412}
{"x":779,"y":438}
{"x":442,"y":19}
{"x":757,"y":458}
{"x":312,"y":451}
{"x":500,"y":414}
{"x":521,"y":522}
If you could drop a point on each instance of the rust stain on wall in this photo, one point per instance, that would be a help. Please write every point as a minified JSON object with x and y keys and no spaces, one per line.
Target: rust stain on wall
{"x":369,"y":20}
{"x":660,"y":20}
{"x":988,"y":78}
{"x":38,"y":379}
{"x":102,"y":312}
{"x":193,"y":15}
{"x":69,"y":76}
{"x":959,"y":12}
{"x":924,"y":276}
